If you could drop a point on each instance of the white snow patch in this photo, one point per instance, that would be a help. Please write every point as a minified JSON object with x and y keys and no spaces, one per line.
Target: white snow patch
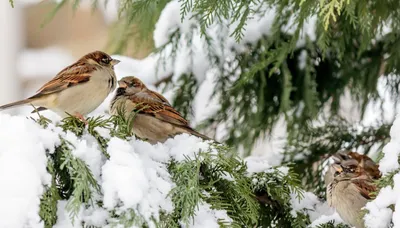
{"x":257,"y":164}
{"x":310,"y":205}
{"x":23,"y":172}
{"x":207,"y":217}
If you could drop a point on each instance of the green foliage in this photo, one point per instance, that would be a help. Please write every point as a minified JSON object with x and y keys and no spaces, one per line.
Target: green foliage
{"x":275,"y":77}
{"x":12,"y":3}
{"x":214,"y":176}
{"x":185,"y":95}
{"x":331,"y":224}
{"x":48,"y":204}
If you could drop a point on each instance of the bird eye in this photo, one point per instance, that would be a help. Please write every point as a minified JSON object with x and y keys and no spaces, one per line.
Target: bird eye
{"x":106,"y":60}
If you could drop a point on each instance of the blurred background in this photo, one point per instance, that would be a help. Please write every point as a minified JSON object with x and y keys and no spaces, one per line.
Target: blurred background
{"x":36,"y":46}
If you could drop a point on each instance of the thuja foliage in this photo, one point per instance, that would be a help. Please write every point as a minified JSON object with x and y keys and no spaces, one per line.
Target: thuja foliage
{"x":214,"y":176}
{"x":276,"y":77}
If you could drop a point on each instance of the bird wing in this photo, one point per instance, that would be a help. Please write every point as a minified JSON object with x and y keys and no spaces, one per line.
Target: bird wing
{"x":366,"y":189}
{"x":68,"y":77}
{"x":151,"y":95}
{"x":159,"y":109}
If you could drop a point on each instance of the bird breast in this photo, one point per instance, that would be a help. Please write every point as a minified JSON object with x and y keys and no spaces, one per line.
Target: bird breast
{"x":77,"y":99}
{"x":347,"y":200}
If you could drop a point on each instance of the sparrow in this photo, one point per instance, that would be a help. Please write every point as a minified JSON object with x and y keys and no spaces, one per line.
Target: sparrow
{"x":349,"y":192}
{"x":156,"y":120}
{"x":363,"y":162}
{"x":350,"y":160}
{"x":76,"y":90}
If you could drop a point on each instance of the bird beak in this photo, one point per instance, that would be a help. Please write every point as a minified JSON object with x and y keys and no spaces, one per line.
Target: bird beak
{"x":337,"y":167}
{"x":122,"y":84}
{"x":114,"y":62}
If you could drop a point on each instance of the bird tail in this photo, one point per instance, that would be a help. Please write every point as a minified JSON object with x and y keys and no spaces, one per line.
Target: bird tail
{"x":204,"y":137}
{"x":15,"y":104}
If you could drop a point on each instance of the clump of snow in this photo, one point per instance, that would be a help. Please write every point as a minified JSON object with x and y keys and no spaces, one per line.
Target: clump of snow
{"x":207,"y":217}
{"x":63,"y":218}
{"x":284,"y":170}
{"x":379,"y":212}
{"x":379,"y":215}
{"x":391,"y":151}
{"x":191,"y":146}
{"x":257,"y":164}
{"x":311,"y":205}
{"x":23,"y":170}
{"x":139,"y":184}
{"x":335,"y":217}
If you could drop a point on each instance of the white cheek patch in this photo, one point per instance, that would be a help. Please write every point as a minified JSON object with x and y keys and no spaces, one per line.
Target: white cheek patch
{"x":91,"y":61}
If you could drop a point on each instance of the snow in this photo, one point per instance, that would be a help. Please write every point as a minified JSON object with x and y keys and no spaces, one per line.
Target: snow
{"x":256,"y":164}
{"x":207,"y":217}
{"x":131,"y":178}
{"x":23,"y":172}
{"x":134,"y":178}
{"x":391,"y":151}
{"x":319,"y":212}
{"x":379,"y":212}
{"x":335,"y":217}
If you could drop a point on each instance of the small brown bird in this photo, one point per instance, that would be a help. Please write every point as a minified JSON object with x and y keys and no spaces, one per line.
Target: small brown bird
{"x":349,"y":191}
{"x":156,"y":119}
{"x":78,"y":89}
{"x":350,"y":160}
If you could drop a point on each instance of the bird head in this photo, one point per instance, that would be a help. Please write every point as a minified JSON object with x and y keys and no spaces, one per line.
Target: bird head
{"x":131,"y":85}
{"x":101,"y":59}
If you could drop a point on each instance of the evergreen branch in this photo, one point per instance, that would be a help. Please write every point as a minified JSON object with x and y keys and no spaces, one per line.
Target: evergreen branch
{"x":328,"y":10}
{"x":94,"y":123}
{"x":83,"y":182}
{"x":187,"y":194}
{"x":331,"y":224}
{"x":184,"y":97}
{"x":49,"y":200}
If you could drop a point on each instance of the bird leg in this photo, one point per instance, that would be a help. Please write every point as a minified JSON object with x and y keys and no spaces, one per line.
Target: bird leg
{"x":82,"y":118}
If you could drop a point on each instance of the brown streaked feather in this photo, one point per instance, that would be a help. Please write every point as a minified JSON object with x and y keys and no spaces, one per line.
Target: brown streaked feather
{"x":151,"y":95}
{"x":159,"y":96}
{"x":364,"y":188}
{"x":70,"y":76}
{"x":161,"y":110}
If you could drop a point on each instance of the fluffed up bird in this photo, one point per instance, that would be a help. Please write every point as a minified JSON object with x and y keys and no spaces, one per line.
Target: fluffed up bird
{"x":78,"y":89}
{"x":156,"y":120}
{"x":348,"y":193}
{"x":351,"y":185}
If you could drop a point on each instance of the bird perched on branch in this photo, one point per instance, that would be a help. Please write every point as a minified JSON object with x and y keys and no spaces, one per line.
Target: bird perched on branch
{"x":351,"y":185}
{"x":156,"y":120}
{"x":78,"y":89}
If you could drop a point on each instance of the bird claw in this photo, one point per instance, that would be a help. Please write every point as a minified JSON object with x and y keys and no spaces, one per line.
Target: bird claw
{"x":82,"y":118}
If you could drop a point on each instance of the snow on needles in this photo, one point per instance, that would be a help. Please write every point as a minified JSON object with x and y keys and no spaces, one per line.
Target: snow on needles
{"x":379,"y":212}
{"x":134,"y":178}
